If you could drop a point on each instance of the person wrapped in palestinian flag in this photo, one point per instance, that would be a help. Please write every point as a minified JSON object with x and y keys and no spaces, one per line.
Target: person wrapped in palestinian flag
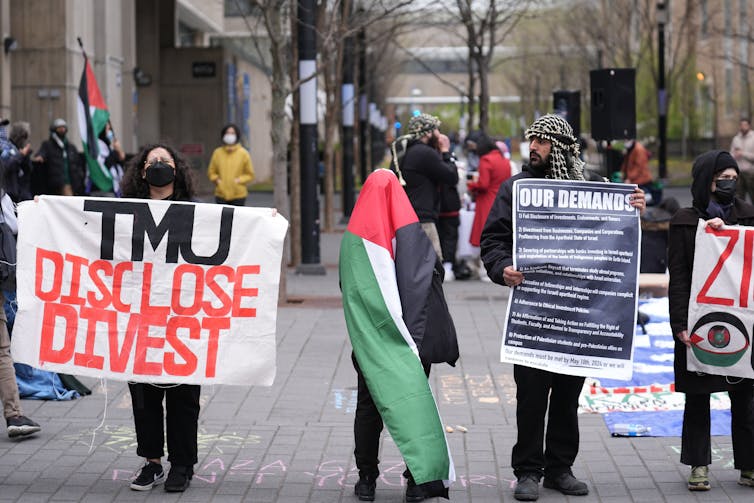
{"x":399,"y":324}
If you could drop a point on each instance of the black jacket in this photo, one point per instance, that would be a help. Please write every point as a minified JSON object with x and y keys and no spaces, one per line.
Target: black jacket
{"x":681,"y":247}
{"x":49,"y":176}
{"x":16,"y":177}
{"x":424,"y":169}
{"x":497,"y":235}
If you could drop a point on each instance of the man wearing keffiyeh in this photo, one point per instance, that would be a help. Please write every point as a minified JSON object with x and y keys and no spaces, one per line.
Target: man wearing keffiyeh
{"x":554,"y":154}
{"x":425,"y":165}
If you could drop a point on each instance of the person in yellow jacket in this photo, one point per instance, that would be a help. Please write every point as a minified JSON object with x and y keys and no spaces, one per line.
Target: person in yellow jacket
{"x":230,"y":169}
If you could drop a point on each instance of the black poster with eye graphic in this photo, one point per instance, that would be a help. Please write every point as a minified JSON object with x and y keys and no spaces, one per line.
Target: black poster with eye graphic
{"x":577,"y":244}
{"x":721,"y":301}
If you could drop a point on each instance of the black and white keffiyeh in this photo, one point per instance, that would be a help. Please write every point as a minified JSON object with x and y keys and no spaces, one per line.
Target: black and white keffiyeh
{"x":565,"y":163}
{"x":418,"y":126}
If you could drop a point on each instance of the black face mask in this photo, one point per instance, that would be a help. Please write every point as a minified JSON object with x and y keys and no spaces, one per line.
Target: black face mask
{"x":725,"y":191}
{"x":159,"y":174}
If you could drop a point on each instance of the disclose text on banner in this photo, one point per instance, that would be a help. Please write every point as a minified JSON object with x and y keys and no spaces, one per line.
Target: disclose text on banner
{"x":577,"y":244}
{"x":148,"y":291}
{"x":720,"y":304}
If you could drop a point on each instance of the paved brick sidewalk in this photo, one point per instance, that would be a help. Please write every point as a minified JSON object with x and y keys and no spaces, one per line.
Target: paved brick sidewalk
{"x":293,"y":442}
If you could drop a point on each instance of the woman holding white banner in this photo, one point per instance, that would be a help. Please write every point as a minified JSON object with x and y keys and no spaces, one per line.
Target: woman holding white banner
{"x":715,"y":174}
{"x":158,"y":172}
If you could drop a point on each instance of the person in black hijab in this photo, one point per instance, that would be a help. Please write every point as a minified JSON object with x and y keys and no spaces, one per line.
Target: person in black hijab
{"x":715,"y":176}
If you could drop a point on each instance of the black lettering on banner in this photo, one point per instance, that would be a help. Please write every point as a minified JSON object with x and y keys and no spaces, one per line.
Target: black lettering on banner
{"x":177,"y":224}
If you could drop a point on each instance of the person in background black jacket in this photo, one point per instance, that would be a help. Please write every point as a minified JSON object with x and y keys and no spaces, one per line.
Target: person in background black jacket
{"x":553,"y":153}
{"x":426,"y":164}
{"x":60,"y":170}
{"x":715,"y":174}
{"x":17,"y":167}
{"x":447,"y":228}
{"x":112,"y":156}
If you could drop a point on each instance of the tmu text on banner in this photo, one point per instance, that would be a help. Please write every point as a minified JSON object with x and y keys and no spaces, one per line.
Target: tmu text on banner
{"x":577,"y":244}
{"x":148,"y":291}
{"x":720,"y":305}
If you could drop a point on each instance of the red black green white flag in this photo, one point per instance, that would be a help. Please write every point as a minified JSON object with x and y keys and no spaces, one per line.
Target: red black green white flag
{"x":378,"y":289}
{"x":93,"y":117}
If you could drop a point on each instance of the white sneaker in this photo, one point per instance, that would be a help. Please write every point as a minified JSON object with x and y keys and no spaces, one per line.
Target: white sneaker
{"x":449,"y":276}
{"x":483,"y":273}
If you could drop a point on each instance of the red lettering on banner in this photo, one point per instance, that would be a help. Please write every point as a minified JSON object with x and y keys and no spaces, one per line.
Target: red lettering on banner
{"x":94,"y":316}
{"x":146,"y":289}
{"x":118,"y":284}
{"x":239,"y":292}
{"x":746,"y":274}
{"x":107,"y":298}
{"x":57,"y":276}
{"x":198,"y":291}
{"x":702,"y":297}
{"x":144,"y":342}
{"x":225,"y":302}
{"x":214,"y":325}
{"x":174,"y":324}
{"x":119,"y":359}
{"x":201,"y":310}
{"x":73,"y":296}
{"x":52,"y":311}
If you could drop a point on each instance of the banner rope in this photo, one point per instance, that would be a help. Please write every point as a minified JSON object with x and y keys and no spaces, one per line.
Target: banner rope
{"x":103,"y":384}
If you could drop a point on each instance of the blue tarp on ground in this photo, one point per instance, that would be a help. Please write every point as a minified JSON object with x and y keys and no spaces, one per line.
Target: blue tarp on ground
{"x":41,"y":385}
{"x":661,"y":423}
{"x":34,"y":383}
{"x":648,"y":413}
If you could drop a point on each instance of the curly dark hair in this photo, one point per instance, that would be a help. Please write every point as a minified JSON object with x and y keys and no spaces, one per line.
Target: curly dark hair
{"x":484,"y":144}
{"x":235,"y":130}
{"x":135,"y":186}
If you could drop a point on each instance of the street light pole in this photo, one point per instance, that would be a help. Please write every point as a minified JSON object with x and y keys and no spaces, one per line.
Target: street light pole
{"x":307,"y":67}
{"x":662,"y":99}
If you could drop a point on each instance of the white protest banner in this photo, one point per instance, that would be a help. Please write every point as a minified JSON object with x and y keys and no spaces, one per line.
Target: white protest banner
{"x":720,"y":305}
{"x":148,"y":291}
{"x":577,"y":244}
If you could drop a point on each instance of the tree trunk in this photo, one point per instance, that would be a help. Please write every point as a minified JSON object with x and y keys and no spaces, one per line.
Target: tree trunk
{"x":484,"y":96}
{"x":293,"y":146}
{"x":279,"y":91}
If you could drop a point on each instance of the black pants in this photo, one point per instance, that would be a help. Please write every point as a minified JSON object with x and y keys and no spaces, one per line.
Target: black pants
{"x":182,"y":406}
{"x":233,"y":202}
{"x":534,"y":388}
{"x":695,"y":440}
{"x":367,"y":427}
{"x":447,"y":228}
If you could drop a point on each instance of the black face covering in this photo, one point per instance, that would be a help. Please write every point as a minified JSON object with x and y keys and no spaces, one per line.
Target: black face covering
{"x":159,"y":174}
{"x":725,"y":191}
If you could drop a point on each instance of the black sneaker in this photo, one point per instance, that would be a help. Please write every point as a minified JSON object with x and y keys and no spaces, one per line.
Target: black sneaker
{"x":179,"y":478}
{"x":566,"y":483}
{"x":21,"y":426}
{"x":149,"y":476}
{"x":527,"y":487}
{"x":364,"y":488}
{"x":413,"y":492}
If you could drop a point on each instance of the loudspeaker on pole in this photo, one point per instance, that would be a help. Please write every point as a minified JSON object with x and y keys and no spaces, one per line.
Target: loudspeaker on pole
{"x":613,"y":103}
{"x":567,"y":104}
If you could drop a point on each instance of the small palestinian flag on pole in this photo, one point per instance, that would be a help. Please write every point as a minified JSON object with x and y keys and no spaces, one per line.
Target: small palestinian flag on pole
{"x":386,"y":267}
{"x":93,"y":117}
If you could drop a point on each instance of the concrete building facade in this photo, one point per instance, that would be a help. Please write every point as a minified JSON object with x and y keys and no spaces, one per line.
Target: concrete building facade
{"x":160,"y":73}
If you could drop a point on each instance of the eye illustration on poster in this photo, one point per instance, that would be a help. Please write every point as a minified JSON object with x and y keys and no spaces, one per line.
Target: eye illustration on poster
{"x":719,"y":339}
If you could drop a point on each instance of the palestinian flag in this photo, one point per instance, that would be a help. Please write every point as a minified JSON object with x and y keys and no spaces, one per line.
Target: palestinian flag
{"x":93,"y":117}
{"x":386,"y":267}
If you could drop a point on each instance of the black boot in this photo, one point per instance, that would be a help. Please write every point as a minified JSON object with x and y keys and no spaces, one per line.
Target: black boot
{"x":179,"y":478}
{"x":413,"y":492}
{"x":364,"y":488}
